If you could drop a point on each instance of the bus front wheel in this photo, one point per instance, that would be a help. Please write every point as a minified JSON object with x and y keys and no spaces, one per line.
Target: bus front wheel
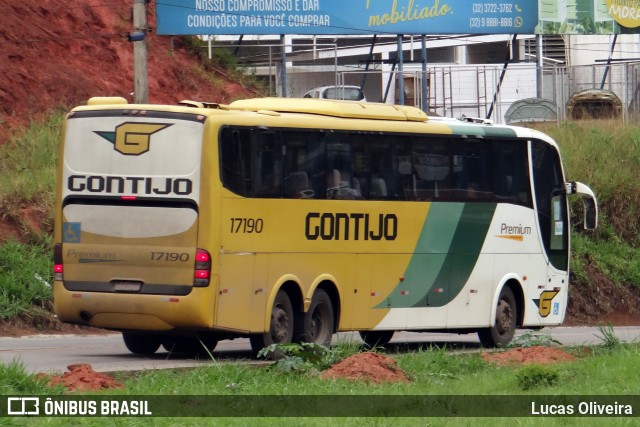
{"x":281,"y":327}
{"x":141,"y":343}
{"x":318,"y":322}
{"x":504,"y":329}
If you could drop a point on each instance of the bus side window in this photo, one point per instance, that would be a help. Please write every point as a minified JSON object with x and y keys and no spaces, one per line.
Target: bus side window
{"x":303,"y":154}
{"x":472,"y":170}
{"x":235,"y":160}
{"x":511,"y":180}
{"x":340,"y":180}
{"x":431,"y":170}
{"x":267,"y":165}
{"x":297,"y":184}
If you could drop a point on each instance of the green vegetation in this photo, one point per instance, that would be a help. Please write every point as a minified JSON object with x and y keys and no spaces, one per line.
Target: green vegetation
{"x":532,"y":338}
{"x":25,"y":277}
{"x":14,"y":380}
{"x":434,"y":372}
{"x":606,"y":156}
{"x":306,"y":357}
{"x":28,"y":165}
{"x":223,"y":62}
{"x":537,"y":376}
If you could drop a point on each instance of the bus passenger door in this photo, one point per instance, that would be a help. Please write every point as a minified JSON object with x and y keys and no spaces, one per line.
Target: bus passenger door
{"x":553,"y":299}
{"x":553,"y":221}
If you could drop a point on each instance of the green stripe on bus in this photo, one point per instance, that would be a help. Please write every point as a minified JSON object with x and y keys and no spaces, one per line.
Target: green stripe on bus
{"x":463,"y":254}
{"x":446,"y":252}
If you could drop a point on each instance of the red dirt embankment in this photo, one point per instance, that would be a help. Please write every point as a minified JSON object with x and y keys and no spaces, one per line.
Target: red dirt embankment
{"x":59,"y":54}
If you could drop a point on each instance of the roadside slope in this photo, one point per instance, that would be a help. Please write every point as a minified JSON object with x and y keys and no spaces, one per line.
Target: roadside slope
{"x":59,"y":54}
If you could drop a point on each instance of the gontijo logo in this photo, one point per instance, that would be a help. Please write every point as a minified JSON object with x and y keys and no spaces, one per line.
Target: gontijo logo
{"x":544,"y":302}
{"x":132,"y":139}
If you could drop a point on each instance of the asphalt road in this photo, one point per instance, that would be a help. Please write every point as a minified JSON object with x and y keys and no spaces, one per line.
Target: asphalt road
{"x":53,"y":353}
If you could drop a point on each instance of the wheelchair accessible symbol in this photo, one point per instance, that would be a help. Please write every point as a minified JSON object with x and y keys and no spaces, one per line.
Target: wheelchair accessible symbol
{"x":71,"y":232}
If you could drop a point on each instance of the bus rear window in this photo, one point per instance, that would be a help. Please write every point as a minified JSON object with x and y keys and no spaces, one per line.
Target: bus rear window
{"x":131,"y":221}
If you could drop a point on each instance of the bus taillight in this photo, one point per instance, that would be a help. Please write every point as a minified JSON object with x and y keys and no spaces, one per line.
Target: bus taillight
{"x":57,"y":262}
{"x":202,"y":273}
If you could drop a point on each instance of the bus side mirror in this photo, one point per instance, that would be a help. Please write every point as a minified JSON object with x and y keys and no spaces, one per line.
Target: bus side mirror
{"x":589,"y":201}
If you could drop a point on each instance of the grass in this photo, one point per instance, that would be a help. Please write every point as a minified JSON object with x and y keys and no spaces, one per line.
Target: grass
{"x":25,"y":278}
{"x":223,"y":62}
{"x":603,"y":371}
{"x":606,"y":156}
{"x":28,"y":163}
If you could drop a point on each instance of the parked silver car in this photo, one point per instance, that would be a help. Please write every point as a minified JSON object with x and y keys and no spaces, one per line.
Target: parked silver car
{"x":349,"y":93}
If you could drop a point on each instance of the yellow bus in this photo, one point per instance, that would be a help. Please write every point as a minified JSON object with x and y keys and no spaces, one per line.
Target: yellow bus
{"x":287,"y":220}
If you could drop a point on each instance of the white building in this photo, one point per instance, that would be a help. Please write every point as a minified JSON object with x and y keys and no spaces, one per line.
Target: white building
{"x":472,"y":75}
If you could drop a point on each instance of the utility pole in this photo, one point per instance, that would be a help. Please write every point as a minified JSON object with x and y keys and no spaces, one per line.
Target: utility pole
{"x":400,"y":74}
{"x":137,"y":37}
{"x":540,"y":66}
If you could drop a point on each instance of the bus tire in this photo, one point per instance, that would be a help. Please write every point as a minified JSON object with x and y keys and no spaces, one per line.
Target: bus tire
{"x":504,"y":329}
{"x":374,"y":339}
{"x":141,"y":343}
{"x":318,"y":322}
{"x":281,"y":327}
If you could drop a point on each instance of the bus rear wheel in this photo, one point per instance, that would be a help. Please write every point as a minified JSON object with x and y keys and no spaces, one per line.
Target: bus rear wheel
{"x":141,"y":343}
{"x":281,"y":327}
{"x":504,"y":329}
{"x":374,"y":339}
{"x":318,"y":323}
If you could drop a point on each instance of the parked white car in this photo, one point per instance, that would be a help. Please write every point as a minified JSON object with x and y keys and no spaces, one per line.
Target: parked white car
{"x":349,"y":93}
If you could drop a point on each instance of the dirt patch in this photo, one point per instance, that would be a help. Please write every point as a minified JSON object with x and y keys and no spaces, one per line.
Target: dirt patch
{"x":529,"y":355}
{"x":43,"y":323}
{"x":368,"y":367}
{"x":83,"y":378}
{"x":602,"y":301}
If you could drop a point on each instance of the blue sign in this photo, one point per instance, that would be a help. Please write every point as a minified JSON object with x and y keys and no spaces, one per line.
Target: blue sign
{"x":236,"y":17}
{"x":71,"y":232}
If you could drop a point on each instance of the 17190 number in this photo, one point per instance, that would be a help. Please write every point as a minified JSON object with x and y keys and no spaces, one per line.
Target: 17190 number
{"x":169,"y":256}
{"x":246,"y":225}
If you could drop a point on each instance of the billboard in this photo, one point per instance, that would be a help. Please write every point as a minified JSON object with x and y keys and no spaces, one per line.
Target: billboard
{"x":588,"y":16}
{"x":237,"y":17}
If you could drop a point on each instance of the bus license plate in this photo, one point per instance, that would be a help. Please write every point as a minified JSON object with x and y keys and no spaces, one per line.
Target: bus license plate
{"x":127,"y":286}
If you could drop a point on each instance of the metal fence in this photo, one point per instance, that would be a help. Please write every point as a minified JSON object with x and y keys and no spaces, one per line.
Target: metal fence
{"x":485,"y":91}
{"x":488,"y":91}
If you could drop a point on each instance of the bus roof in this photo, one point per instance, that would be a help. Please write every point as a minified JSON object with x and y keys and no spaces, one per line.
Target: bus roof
{"x":335,"y":108}
{"x":332,"y":108}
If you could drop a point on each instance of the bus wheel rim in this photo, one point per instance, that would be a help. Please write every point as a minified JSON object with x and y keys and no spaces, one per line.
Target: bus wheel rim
{"x":504,"y":317}
{"x":279,"y":324}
